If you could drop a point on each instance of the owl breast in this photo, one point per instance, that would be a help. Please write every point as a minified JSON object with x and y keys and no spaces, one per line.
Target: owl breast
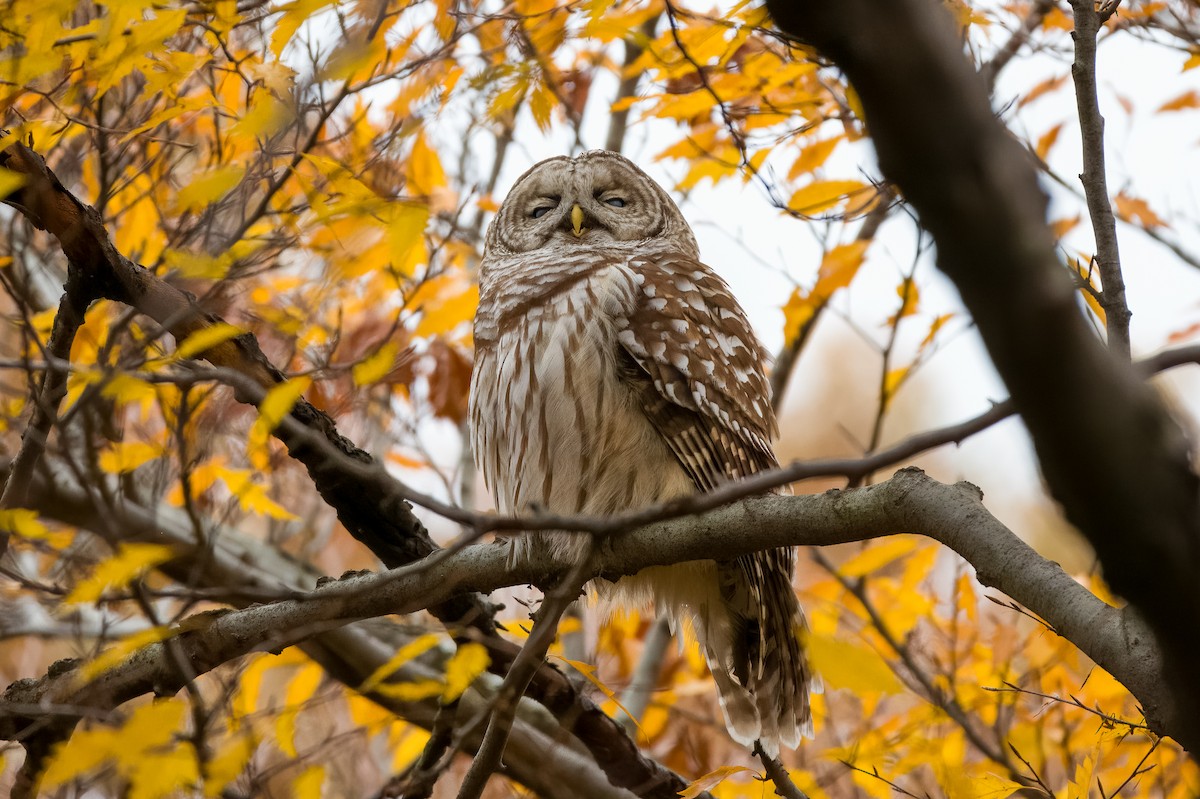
{"x":552,"y":425}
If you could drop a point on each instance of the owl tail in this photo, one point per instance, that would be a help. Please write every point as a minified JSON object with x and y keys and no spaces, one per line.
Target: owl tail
{"x":754,"y":649}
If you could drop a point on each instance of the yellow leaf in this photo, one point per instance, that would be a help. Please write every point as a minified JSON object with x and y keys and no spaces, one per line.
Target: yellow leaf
{"x":541,"y":103}
{"x":855,"y":103}
{"x":408,"y":748}
{"x":967,"y":600}
{"x":24,"y":523}
{"x":265,"y":115}
{"x":843,"y":664}
{"x":125,"y":456}
{"x":198,"y":265}
{"x":412,"y":691}
{"x":79,"y":754}
{"x":711,"y":780}
{"x":151,"y":725}
{"x":271,"y":411}
{"x":1087,"y":275}
{"x":157,"y":775}
{"x":308,"y":784}
{"x":445,"y":302}
{"x":892,"y":381}
{"x":1192,"y":62}
{"x":813,"y":156}
{"x":130,"y":562}
{"x":376,"y":366}
{"x":229,"y":761}
{"x":116,"y":654}
{"x":685,"y":106}
{"x":821,"y":195}
{"x":988,"y":786}
{"x":425,"y":172}
{"x":414,"y":648}
{"x":10,"y":181}
{"x":876,"y":556}
{"x":253,"y":498}
{"x":355,"y":58}
{"x":300,"y":689}
{"x":206,"y":338}
{"x":838,"y":268}
{"x":589,"y":671}
{"x":208,"y":187}
{"x":467,"y":663}
{"x":294,"y":15}
{"x":179,"y":107}
{"x":125,"y":390}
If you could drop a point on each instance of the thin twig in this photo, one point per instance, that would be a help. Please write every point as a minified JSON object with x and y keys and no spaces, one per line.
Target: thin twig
{"x":491,"y":749}
{"x":1094,"y":177}
{"x":991,"y":70}
{"x":778,"y":774}
{"x":46,"y":399}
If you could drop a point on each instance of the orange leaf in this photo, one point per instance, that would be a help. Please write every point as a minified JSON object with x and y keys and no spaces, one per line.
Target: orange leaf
{"x":1138,"y":211}
{"x":1184,"y":101}
{"x":813,"y":156}
{"x":1062,"y":227}
{"x":1045,"y":87}
{"x":1047,"y":140}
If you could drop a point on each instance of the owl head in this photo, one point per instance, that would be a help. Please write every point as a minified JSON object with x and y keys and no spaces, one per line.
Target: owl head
{"x":596,"y":199}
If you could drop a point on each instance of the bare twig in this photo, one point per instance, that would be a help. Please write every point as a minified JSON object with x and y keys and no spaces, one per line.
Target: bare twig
{"x":46,"y":399}
{"x":778,"y":774}
{"x":532,"y":655}
{"x":991,"y":70}
{"x":1094,"y":178}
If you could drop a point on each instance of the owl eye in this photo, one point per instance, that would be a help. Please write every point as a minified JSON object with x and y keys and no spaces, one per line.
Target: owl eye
{"x":540,"y":211}
{"x":615,"y":202}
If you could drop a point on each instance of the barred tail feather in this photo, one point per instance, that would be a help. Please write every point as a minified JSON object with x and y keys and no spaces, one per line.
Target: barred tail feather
{"x":760,"y":669}
{"x":750,"y":628}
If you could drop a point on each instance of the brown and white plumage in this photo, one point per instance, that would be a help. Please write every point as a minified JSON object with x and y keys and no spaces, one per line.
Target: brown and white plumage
{"x":614,"y":370}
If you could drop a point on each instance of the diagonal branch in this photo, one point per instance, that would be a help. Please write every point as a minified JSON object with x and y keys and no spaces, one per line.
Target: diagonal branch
{"x":909,"y":502}
{"x":1095,"y":177}
{"x":1109,"y":451}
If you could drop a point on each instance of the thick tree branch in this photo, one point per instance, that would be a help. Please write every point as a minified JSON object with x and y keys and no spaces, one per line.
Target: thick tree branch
{"x":1110,"y":453}
{"x":910,"y":502}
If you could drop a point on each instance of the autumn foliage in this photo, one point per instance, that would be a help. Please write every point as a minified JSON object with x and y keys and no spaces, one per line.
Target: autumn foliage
{"x":318,"y":174}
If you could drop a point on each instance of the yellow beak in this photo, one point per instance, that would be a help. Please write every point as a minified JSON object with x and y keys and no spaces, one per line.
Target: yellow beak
{"x":577,"y":220}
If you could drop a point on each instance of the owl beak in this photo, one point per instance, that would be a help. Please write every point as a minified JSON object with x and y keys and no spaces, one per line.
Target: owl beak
{"x":577,"y":220}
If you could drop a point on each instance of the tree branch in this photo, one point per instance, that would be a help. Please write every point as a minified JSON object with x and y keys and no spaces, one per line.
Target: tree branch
{"x":1095,"y":177}
{"x":909,"y":502}
{"x":1109,"y":452}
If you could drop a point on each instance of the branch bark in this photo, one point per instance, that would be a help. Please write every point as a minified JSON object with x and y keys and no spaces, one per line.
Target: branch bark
{"x":909,"y":502}
{"x":1111,"y":455}
{"x":1095,"y":176}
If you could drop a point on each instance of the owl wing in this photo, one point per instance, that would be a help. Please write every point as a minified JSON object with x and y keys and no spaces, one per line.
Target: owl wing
{"x":689,"y":353}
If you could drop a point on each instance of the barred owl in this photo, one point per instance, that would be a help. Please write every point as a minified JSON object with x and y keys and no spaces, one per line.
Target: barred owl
{"x":614,"y":370}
